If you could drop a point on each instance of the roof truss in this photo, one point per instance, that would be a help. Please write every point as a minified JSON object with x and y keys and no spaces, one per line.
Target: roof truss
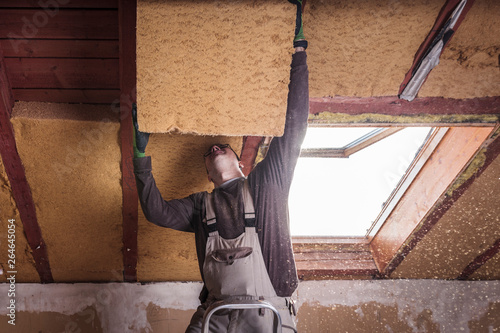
{"x":19,"y":184}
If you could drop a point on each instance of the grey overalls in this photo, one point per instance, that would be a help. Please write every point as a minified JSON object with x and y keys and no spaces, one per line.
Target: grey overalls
{"x":234,"y":268}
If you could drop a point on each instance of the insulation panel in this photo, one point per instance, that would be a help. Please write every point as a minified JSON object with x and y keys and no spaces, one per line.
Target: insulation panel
{"x":73,"y":168}
{"x":213,"y":67}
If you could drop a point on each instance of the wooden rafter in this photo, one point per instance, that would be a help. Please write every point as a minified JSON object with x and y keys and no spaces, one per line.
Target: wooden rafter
{"x":249,"y":152}
{"x":19,"y":184}
{"x":127,"y":14}
{"x":448,"y":108}
{"x":480,"y":260}
{"x":393,"y":106}
{"x":443,"y":16}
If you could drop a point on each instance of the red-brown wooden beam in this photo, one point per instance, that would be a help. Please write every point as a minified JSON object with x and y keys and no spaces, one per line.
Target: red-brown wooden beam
{"x":21,"y":191}
{"x":249,"y":152}
{"x":385,"y":105}
{"x":492,"y":152}
{"x":128,"y":17}
{"x":443,"y":16}
{"x":480,"y":261}
{"x":392,"y":105}
{"x":6,"y":96}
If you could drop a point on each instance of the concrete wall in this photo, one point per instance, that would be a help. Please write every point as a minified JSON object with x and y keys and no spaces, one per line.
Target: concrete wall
{"x":323,"y":306}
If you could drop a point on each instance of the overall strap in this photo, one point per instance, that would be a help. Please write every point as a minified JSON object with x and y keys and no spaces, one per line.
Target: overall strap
{"x":210,"y":214}
{"x":248,"y":207}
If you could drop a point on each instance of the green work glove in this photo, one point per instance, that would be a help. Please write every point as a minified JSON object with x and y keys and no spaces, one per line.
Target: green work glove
{"x":299,"y":40}
{"x":140,"y":138}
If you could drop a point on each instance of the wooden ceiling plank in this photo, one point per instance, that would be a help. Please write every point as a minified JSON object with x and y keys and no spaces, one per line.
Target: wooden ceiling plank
{"x":60,"y":48}
{"x":441,"y":19}
{"x":21,"y":25}
{"x":127,"y":15}
{"x":21,"y":191}
{"x":480,"y":261}
{"x":109,"y":4}
{"x":393,"y":106}
{"x":336,"y":269}
{"x":63,"y":73}
{"x":85,"y":96}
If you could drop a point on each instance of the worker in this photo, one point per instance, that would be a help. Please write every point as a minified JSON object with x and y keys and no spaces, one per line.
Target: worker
{"x":241,"y":228}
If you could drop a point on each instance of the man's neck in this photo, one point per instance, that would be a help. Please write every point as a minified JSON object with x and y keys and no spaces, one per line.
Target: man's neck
{"x":227,"y":182}
{"x":227,"y":177}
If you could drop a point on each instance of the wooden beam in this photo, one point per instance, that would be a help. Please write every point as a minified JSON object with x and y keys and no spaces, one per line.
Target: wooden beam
{"x":60,"y":48}
{"x":333,"y":257}
{"x":443,"y":16}
{"x":6,"y":96}
{"x":86,"y":96}
{"x":23,"y":24}
{"x":127,"y":14}
{"x":249,"y":152}
{"x":63,"y":73}
{"x":426,"y":197}
{"x":317,"y":270}
{"x":480,"y":261}
{"x":393,"y":106}
{"x":21,"y":191}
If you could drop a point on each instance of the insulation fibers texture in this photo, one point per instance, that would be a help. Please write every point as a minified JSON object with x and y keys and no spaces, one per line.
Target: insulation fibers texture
{"x":73,"y":168}
{"x":213,"y":67}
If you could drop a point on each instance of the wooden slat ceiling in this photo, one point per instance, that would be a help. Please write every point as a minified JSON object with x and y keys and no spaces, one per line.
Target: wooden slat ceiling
{"x":62,"y":53}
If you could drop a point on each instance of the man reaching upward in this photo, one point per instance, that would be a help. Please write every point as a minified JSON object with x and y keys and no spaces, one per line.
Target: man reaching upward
{"x":241,"y":228}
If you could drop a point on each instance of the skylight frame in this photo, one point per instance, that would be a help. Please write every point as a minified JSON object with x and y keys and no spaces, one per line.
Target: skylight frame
{"x":388,"y":246}
{"x":404,"y":183}
{"x":344,"y":152}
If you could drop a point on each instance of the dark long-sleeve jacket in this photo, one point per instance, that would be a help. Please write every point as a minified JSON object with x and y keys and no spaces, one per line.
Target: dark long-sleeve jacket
{"x":269,"y":184}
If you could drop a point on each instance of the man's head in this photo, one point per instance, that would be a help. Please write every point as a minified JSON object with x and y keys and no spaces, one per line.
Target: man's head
{"x":222,"y":164}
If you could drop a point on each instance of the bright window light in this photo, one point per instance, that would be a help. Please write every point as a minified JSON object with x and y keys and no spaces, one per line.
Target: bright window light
{"x":343,"y":196}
